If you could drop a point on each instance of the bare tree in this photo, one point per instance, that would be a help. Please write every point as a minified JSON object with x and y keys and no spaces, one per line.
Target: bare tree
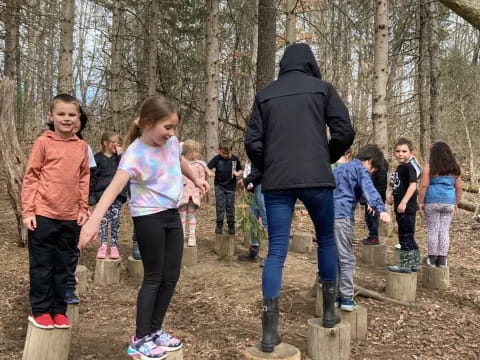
{"x":65,"y":84}
{"x":379,"y":112}
{"x":422,"y":76}
{"x":434,"y":62}
{"x":266,"y":43}
{"x":11,"y":39}
{"x":291,"y":31}
{"x":467,"y":9}
{"x":153,"y":47}
{"x":116,"y":64}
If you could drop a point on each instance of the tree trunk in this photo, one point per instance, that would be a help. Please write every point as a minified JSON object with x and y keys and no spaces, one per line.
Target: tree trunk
{"x":11,"y":35}
{"x":291,"y":33}
{"x":152,"y":49}
{"x":473,"y":177}
{"x":211,"y":100}
{"x":422,"y":71}
{"x":13,"y":157}
{"x":266,"y":43}
{"x":434,"y":55}
{"x":467,"y":9}
{"x":65,"y":84}
{"x":379,"y":112}
{"x":116,"y":64}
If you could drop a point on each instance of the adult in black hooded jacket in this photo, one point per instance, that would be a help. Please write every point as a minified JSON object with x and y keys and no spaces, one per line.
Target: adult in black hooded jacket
{"x":287,"y":141}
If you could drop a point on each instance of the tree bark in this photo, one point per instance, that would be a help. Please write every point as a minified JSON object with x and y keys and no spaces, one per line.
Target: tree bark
{"x":12,"y":155}
{"x":65,"y":84}
{"x":291,"y":33}
{"x":11,"y":35}
{"x":266,"y":43}
{"x":152,"y":49}
{"x":116,"y":64}
{"x":211,"y":100}
{"x":422,"y":71}
{"x":379,"y":112}
{"x":434,"y":55}
{"x":467,"y":9}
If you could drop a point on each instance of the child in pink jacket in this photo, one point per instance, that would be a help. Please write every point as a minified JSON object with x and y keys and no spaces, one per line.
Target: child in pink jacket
{"x":192,"y":196}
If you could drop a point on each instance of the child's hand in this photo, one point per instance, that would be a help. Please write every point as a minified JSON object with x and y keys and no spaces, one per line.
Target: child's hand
{"x":82,"y":218}
{"x":421,"y":207}
{"x":304,"y":212}
{"x":202,"y":185}
{"x":250,"y":186}
{"x":30,"y":222}
{"x":370,"y":209}
{"x":89,"y":232}
{"x":119,"y":150}
{"x":401,"y":208}
{"x":384,"y":217}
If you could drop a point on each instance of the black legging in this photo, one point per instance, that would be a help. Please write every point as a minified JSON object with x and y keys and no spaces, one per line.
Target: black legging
{"x":160,"y":239}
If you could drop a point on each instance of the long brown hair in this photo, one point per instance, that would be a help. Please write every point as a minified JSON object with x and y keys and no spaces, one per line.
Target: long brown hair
{"x":153,"y":109}
{"x":442,"y":161}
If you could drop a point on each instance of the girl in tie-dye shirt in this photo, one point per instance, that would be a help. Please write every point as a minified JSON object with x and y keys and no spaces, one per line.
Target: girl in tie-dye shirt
{"x":153,"y":165}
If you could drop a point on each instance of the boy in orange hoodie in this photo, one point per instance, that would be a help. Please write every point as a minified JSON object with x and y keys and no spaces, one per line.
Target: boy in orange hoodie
{"x":54,"y":207}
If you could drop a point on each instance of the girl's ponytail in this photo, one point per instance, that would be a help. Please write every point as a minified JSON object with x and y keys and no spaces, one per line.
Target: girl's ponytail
{"x":133,"y":133}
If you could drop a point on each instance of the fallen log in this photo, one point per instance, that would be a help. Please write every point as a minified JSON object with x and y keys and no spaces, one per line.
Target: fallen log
{"x":471,"y":189}
{"x":468,"y":207}
{"x":361,"y":291}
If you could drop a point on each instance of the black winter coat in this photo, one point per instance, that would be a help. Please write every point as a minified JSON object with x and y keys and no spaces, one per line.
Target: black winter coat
{"x":286,"y":137}
{"x":106,"y":169}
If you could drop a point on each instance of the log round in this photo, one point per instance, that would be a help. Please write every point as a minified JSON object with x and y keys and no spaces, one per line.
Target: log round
{"x":189,"y":257}
{"x":402,"y":287}
{"x":175,"y":355}
{"x":107,"y":271}
{"x":82,"y":279}
{"x":358,"y":322}
{"x":41,"y":344}
{"x":224,"y":245}
{"x":435,"y":277}
{"x":374,"y":255}
{"x":328,"y":343}
{"x":302,"y":242}
{"x":134,"y":268}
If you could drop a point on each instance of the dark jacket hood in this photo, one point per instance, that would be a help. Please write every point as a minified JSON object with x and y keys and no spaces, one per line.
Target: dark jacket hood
{"x":299,"y":57}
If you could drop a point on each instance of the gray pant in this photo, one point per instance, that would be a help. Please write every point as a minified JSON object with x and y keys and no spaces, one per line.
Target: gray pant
{"x":438,"y":218}
{"x":225,"y":202}
{"x":346,"y":257}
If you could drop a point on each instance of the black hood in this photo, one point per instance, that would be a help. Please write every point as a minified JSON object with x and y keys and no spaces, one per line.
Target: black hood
{"x":299,"y":57}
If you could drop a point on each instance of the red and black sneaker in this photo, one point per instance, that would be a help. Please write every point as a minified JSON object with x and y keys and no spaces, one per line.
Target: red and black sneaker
{"x":61,"y":321}
{"x":371,"y":241}
{"x":42,"y":321}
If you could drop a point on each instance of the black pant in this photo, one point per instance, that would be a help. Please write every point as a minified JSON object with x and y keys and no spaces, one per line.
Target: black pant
{"x":406,"y":231}
{"x":51,"y":248}
{"x":160,"y":239}
{"x":225,"y":200}
{"x":72,"y":268}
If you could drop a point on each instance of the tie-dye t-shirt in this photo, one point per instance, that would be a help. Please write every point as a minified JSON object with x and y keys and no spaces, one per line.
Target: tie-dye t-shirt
{"x":155,"y":176}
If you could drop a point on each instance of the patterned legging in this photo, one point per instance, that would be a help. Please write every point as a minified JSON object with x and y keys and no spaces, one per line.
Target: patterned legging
{"x":113,"y":216}
{"x":438,"y":218}
{"x":188,"y":212}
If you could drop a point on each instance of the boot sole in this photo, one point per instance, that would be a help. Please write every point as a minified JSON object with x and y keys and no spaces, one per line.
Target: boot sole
{"x":267,"y":348}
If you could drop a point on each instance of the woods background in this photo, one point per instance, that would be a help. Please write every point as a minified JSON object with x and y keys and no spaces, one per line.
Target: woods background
{"x":211,"y":56}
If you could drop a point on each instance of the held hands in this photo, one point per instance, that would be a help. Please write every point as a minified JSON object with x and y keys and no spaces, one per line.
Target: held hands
{"x":30,"y":222}
{"x":89,"y":232}
{"x":202,"y":185}
{"x":422,"y":208}
{"x":370,"y":209}
{"x":389,"y":198}
{"x":82,"y":218}
{"x":250,"y":186}
{"x":384,"y":217}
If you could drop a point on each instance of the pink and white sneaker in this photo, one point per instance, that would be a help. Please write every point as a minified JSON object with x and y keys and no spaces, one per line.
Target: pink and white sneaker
{"x":102,"y":252}
{"x":166,"y":341}
{"x":114,"y":254}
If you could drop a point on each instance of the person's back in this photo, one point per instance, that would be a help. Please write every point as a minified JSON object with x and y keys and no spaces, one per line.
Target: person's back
{"x":292,"y":114}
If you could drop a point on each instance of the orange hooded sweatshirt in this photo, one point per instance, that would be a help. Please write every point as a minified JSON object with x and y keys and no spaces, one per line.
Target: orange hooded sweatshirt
{"x":57,"y":178}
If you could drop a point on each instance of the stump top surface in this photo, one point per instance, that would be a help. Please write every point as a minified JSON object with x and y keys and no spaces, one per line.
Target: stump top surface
{"x":130,"y":258}
{"x":110,"y":260}
{"x":410,"y":274}
{"x":318,"y":322}
{"x":281,"y":352}
{"x":81,"y":268}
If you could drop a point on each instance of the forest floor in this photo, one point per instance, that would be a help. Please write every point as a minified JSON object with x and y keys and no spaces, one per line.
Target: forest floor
{"x":217,"y":304}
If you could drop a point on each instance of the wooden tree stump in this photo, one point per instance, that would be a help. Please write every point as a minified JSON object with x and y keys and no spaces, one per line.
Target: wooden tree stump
{"x":224,"y":245}
{"x":281,"y":352}
{"x":358,"y":322}
{"x":189,"y":257}
{"x":73,"y":314}
{"x":302,"y":242}
{"x":435,"y":277}
{"x":246,"y":239}
{"x":107,"y":271}
{"x":374,"y":254}
{"x":135,"y":268}
{"x":82,"y":279}
{"x":175,"y":355}
{"x":402,"y":287}
{"x":328,"y":344}
{"x":41,"y":344}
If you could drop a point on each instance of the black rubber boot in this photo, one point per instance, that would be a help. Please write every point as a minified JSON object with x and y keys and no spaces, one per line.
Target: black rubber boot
{"x":219,"y":228}
{"x":231,"y":228}
{"x":251,"y":256}
{"x":441,"y":261}
{"x":330,"y":318}
{"x":270,"y":336}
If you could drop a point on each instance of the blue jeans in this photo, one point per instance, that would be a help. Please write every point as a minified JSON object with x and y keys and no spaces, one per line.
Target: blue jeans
{"x":372,"y":224}
{"x":280,"y":206}
{"x":257,"y":207}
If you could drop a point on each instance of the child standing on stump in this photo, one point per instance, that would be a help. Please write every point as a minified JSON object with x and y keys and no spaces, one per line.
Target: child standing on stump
{"x":404,"y":198}
{"x":54,"y":206}
{"x":192,"y":195}
{"x":227,"y":168}
{"x":353,"y":179}
{"x":153,"y":164}
{"x":107,"y":162}
{"x":439,"y":195}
